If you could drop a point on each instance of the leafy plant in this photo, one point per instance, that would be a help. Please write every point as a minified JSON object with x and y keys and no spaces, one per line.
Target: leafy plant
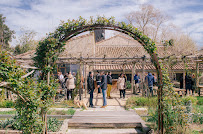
{"x":6,"y":104}
{"x":189,"y":98}
{"x":128,"y":85}
{"x":33,"y":98}
{"x":54,"y":125}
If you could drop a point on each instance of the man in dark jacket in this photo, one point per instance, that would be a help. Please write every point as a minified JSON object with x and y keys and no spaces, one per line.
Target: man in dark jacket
{"x":109,"y":86}
{"x":90,"y":85}
{"x":150,"y":79}
{"x":104,"y":87}
{"x":98,"y":80}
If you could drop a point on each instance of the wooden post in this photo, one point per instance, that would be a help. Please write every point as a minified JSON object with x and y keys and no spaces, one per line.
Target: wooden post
{"x":184,"y":78}
{"x":132,"y":77}
{"x":143,"y":76}
{"x":86,"y":80}
{"x":197,"y":77}
{"x":81,"y":83}
{"x":123,"y":68}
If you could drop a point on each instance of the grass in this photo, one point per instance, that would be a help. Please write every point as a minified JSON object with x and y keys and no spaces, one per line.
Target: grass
{"x":134,"y":102}
{"x":65,"y":104}
{"x":7,"y":112}
{"x":61,"y":112}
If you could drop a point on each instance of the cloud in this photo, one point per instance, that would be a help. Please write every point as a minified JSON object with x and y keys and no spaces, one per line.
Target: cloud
{"x":43,"y":16}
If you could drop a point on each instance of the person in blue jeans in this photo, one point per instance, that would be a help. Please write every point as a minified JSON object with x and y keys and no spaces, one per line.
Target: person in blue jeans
{"x":104,"y":87}
{"x":137,"y":81}
{"x":150,"y":79}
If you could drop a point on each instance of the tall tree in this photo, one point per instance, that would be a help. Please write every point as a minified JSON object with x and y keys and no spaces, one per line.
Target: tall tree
{"x":26,"y":42}
{"x":148,"y":19}
{"x":5,"y":33}
{"x":152,"y":22}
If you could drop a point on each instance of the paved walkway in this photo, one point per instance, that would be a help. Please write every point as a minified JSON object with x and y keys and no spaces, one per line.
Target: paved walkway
{"x":115,"y":101}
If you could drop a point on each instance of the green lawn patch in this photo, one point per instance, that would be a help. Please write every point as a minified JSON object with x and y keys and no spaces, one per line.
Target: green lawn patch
{"x":8,"y":112}
{"x":61,"y":112}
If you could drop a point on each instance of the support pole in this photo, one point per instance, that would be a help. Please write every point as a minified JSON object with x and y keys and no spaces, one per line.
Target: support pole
{"x":86,"y":80}
{"x":132,"y":77}
{"x":197,"y":77}
{"x":123,"y":68}
{"x":143,"y":76}
{"x":81,"y":83}
{"x":184,"y":78}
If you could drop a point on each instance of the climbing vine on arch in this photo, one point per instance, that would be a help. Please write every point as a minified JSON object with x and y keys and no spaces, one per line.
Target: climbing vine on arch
{"x":50,"y":48}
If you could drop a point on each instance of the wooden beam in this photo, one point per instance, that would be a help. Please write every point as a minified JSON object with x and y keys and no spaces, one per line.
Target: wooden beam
{"x":24,"y":76}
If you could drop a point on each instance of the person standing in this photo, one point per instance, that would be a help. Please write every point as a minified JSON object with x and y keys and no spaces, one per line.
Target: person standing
{"x":193,"y":84}
{"x":150,"y":80}
{"x":121,"y":85}
{"x":65,"y":90}
{"x":103,"y":87}
{"x":109,"y":86}
{"x":70,"y":84}
{"x":188,"y":83}
{"x":90,"y":85}
{"x":74,"y":76}
{"x":61,"y":78}
{"x":137,"y":81}
{"x":145,"y":84}
{"x":98,"y":80}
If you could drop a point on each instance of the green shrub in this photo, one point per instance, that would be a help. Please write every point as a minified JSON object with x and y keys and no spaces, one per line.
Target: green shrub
{"x":6,"y":104}
{"x":197,"y":118}
{"x":54,"y":125}
{"x":187,"y":98}
{"x":10,"y":123}
{"x":71,"y":111}
{"x":199,"y":100}
{"x":128,"y":85}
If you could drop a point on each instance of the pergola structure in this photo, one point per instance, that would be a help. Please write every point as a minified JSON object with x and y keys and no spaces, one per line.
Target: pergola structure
{"x":90,"y":63}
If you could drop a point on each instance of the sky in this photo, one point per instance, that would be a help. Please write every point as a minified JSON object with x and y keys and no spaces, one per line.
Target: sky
{"x":43,"y":16}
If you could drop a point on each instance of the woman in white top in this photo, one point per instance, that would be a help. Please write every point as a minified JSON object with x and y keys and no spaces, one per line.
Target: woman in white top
{"x":70,"y":84}
{"x":121,"y":85}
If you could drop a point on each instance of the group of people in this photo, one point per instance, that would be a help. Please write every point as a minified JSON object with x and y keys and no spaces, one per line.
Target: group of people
{"x":149,"y":82}
{"x":104,"y":82}
{"x":67,"y":82}
{"x":189,"y":83}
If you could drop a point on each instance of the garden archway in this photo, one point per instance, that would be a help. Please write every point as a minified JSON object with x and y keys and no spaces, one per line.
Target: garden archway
{"x":49,"y":49}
